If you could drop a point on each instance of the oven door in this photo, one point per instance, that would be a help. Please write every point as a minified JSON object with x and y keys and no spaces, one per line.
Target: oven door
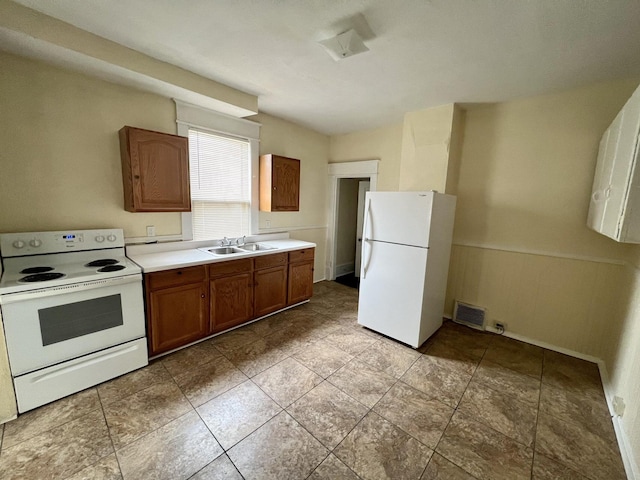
{"x":52,"y":325}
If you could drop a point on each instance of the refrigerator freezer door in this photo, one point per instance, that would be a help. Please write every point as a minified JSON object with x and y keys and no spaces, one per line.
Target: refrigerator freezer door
{"x":399,"y":217}
{"x":391,"y":290}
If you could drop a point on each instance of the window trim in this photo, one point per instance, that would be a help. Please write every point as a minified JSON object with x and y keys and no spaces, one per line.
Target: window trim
{"x":193,"y":116}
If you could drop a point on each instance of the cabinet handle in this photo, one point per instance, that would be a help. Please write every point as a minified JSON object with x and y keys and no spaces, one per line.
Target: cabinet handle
{"x":202,"y":296}
{"x":137,"y":177}
{"x":179,"y":272}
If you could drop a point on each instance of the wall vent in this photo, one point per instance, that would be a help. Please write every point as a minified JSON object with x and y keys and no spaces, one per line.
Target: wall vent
{"x":469,"y":315}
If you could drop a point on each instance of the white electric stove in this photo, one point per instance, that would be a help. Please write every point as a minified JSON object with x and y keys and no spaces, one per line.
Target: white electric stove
{"x":73,"y":311}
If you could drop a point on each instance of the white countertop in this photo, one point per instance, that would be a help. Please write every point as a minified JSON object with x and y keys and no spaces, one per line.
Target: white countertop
{"x":180,"y":258}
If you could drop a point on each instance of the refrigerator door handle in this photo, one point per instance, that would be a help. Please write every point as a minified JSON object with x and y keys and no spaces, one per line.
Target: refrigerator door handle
{"x":366,"y":259}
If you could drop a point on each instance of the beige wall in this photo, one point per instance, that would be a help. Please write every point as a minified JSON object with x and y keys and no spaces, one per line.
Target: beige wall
{"x":426,"y":136}
{"x":381,"y":143}
{"x":312,"y":149}
{"x":60,"y":157}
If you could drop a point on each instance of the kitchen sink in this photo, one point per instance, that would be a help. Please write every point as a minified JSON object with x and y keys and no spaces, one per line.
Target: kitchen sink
{"x":223,"y":250}
{"x":255,"y":247}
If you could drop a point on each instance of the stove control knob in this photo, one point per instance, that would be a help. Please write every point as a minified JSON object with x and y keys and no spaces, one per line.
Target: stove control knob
{"x":99,"y":239}
{"x":18,"y":244}
{"x":35,"y":243}
{"x":111,"y":238}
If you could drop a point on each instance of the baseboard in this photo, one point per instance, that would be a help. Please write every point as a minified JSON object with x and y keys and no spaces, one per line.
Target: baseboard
{"x":632,"y":470}
{"x":344,"y":269}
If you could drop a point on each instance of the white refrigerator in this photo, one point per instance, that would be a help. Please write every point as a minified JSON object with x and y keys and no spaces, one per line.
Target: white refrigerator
{"x":405,"y":263}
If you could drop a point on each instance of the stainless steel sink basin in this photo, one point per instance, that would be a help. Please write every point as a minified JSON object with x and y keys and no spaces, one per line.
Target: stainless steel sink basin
{"x":222,"y":250}
{"x":255,"y":247}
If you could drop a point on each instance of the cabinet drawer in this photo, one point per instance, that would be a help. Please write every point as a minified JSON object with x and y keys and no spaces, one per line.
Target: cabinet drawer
{"x":272,"y":260}
{"x":301,"y":255}
{"x":230,"y":267}
{"x":179,"y":276}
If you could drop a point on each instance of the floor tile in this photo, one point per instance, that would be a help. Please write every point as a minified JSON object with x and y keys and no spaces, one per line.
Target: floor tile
{"x":279,"y":449}
{"x":209,"y":381}
{"x":350,"y":340}
{"x":466,"y":339}
{"x":440,"y":468}
{"x":287,"y":381}
{"x":362,"y":382}
{"x":546,"y":469}
{"x":333,"y":469}
{"x":141,"y":413}
{"x":390,"y":357}
{"x":327,"y":413}
{"x":456,"y":360}
{"x":105,"y":469}
{"x":220,"y":469}
{"x":483,"y":452}
{"x":501,"y":412}
{"x":323,"y":358}
{"x":522,"y":387}
{"x":291,"y":340}
{"x":572,"y":374}
{"x":191,"y":357}
{"x":239,"y":337}
{"x":133,"y":382}
{"x":268,"y":325}
{"x":415,"y":412}
{"x":256,"y":357}
{"x":376,"y":449}
{"x":579,"y":449}
{"x":236,"y":413}
{"x":176,"y":451}
{"x":59,"y":452}
{"x":519,"y":356}
{"x":437,"y":380}
{"x":569,"y":405}
{"x":50,"y":416}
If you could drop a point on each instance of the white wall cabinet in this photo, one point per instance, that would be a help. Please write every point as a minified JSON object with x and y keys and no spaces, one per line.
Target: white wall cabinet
{"x":614,"y":209}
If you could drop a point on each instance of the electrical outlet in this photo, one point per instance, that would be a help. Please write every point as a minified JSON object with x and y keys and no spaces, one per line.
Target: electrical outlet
{"x":500,"y":327}
{"x":151,"y":231}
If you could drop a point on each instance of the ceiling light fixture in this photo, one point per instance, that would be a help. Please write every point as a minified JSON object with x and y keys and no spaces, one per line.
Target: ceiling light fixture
{"x":344,"y":45}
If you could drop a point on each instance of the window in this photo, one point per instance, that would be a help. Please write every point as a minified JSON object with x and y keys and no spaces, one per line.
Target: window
{"x":220,"y":185}
{"x":223,"y":166}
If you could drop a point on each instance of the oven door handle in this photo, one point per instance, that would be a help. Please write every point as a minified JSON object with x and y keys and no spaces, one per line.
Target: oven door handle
{"x":71,"y":288}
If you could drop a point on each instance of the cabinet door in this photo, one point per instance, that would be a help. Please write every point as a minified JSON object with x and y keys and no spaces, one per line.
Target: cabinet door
{"x":286,"y":185}
{"x":177,"y":316}
{"x":270,"y":290}
{"x":231,"y":301}
{"x":300,"y":282}
{"x":155,"y":171}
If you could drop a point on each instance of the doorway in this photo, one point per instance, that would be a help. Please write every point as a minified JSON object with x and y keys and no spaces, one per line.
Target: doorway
{"x":348,"y":183}
{"x":351,"y":196}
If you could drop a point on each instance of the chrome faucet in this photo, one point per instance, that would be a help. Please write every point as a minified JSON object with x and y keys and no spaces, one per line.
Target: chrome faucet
{"x":240,"y":241}
{"x":225,"y":242}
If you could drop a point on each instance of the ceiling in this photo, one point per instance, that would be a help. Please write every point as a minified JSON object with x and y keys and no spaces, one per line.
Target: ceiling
{"x":423,"y":53}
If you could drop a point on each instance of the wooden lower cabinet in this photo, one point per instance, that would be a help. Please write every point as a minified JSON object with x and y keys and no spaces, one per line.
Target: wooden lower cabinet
{"x":186,"y":305}
{"x":270,"y":290}
{"x":177,"y":316}
{"x":231,"y":301}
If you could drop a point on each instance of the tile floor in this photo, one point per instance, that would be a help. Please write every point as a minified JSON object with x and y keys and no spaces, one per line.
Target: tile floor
{"x":309,"y":394}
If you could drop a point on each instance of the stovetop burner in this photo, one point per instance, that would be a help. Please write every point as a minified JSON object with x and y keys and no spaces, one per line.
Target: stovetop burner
{"x":41,"y":277}
{"x":36,"y":270}
{"x":111,"y":268}
{"x":103,"y":262}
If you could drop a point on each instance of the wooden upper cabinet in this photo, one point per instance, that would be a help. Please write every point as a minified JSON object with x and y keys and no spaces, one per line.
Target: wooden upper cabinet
{"x":155,"y":171}
{"x":279,"y":184}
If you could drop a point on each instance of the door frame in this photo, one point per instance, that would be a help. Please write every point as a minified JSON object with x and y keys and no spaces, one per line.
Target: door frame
{"x":362,"y":192}
{"x":360,"y":169}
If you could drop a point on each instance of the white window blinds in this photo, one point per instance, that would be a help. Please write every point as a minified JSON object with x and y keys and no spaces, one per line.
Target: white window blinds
{"x":220,"y":185}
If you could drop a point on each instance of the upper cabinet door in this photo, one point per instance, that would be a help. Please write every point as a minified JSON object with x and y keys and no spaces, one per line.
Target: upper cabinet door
{"x":155,"y":171}
{"x":279,"y":184}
